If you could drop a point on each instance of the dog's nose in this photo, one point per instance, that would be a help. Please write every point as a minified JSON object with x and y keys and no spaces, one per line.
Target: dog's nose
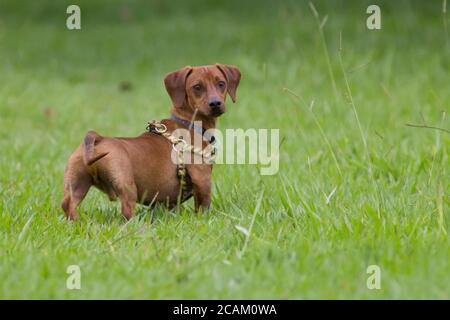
{"x":215,"y":103}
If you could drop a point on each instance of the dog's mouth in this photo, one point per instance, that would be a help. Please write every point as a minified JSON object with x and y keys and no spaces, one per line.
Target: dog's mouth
{"x":216,"y":112}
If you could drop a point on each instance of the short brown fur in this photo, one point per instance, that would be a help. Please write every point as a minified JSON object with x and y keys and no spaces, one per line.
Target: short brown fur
{"x":140,"y":169}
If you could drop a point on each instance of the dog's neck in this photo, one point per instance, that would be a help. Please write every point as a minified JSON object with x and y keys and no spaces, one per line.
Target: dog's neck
{"x":187,"y":113}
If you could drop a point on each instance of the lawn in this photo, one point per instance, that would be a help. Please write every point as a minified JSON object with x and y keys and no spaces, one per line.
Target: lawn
{"x":356,"y":186}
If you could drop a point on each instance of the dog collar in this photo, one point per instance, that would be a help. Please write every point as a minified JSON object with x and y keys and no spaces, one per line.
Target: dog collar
{"x":199,"y":130}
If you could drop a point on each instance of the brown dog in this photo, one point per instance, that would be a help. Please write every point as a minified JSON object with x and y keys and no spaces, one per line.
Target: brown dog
{"x":140,"y":168}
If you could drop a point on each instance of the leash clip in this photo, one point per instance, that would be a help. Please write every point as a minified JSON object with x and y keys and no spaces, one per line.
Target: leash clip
{"x":158,"y":127}
{"x":161,"y":128}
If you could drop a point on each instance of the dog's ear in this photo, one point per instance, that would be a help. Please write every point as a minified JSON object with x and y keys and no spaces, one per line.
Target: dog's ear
{"x":233,"y":76}
{"x":175,"y":83}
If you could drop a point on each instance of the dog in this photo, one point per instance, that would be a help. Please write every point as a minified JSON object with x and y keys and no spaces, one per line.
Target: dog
{"x":141,"y":169}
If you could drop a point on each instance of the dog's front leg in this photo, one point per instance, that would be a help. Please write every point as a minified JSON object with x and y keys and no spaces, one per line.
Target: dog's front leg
{"x":201,"y":183}
{"x":202,"y":195}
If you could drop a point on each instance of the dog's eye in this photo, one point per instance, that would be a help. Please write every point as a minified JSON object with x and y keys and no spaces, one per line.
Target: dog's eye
{"x":221,"y":84}
{"x":197,"y":87}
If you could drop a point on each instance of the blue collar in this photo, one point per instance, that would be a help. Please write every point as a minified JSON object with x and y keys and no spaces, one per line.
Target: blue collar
{"x":198,"y":129}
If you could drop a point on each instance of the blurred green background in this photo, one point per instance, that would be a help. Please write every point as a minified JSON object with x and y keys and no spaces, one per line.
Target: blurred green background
{"x":351,"y":191}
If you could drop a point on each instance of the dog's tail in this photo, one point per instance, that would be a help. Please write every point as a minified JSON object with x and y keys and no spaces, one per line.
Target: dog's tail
{"x":90,"y":156}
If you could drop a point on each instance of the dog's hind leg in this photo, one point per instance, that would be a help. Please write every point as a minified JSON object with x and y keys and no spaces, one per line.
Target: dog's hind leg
{"x":128,"y":198}
{"x":76,"y":185}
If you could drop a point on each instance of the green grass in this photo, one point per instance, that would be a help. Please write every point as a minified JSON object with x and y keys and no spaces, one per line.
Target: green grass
{"x":391,"y":201}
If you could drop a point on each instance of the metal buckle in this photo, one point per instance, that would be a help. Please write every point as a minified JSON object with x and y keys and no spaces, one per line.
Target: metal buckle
{"x":160,"y":128}
{"x":177,"y":143}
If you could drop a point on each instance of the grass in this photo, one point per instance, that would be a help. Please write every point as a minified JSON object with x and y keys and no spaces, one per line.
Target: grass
{"x":356,"y":185}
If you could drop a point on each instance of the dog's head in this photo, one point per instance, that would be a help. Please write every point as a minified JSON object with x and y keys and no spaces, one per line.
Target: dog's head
{"x":203,"y":88}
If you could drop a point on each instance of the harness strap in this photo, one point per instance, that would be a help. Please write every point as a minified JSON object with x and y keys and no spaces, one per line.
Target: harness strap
{"x":180,"y":146}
